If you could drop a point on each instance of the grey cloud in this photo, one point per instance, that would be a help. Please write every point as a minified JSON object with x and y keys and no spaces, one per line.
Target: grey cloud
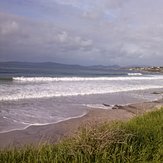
{"x":38,"y":39}
{"x":87,"y":32}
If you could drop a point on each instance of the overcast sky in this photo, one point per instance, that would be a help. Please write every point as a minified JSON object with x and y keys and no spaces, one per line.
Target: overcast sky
{"x":86,"y":32}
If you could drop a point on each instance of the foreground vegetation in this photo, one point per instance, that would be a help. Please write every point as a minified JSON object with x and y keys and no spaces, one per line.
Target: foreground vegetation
{"x":138,"y":140}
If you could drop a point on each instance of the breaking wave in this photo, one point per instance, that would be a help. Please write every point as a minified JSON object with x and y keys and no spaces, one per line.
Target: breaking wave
{"x":47,"y":87}
{"x":134,"y":76}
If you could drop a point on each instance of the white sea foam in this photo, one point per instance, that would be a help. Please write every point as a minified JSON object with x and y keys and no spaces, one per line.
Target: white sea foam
{"x":36,"y":95}
{"x":26,"y":125}
{"x":46,"y":87}
{"x":99,"y":106}
{"x":133,"y":76}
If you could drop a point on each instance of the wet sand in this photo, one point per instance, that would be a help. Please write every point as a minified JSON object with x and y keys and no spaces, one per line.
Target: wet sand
{"x":52,"y":133}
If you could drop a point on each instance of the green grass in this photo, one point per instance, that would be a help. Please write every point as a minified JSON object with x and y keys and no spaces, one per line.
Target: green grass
{"x":138,"y":140}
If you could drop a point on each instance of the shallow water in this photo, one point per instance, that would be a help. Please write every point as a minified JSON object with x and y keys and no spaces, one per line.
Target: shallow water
{"x":20,"y":114}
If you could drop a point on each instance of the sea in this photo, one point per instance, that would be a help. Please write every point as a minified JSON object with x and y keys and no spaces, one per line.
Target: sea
{"x":45,"y":93}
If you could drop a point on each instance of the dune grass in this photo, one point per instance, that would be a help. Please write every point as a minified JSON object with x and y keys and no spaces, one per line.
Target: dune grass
{"x":138,"y":140}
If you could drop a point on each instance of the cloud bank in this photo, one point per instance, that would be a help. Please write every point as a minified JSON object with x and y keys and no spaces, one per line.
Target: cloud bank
{"x":82,"y":31}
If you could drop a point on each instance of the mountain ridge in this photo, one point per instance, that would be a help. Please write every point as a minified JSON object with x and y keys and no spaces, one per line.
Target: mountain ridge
{"x":52,"y":65}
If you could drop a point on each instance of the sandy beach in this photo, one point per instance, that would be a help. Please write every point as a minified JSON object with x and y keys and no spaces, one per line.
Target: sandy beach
{"x":52,"y":133}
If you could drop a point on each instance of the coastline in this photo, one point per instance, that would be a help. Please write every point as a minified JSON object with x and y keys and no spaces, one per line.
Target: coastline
{"x":53,"y":133}
{"x":45,"y":124}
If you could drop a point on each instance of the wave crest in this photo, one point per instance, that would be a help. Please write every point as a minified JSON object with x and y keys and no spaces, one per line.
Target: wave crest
{"x":134,"y":76}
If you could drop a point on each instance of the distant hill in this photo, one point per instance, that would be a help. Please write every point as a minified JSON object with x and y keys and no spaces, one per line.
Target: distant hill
{"x":51,"y":65}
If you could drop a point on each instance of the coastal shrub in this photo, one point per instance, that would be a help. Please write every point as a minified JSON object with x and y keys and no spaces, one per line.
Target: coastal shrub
{"x":138,"y":140}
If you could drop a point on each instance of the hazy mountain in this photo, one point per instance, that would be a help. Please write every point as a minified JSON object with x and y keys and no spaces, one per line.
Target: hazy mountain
{"x":51,"y":65}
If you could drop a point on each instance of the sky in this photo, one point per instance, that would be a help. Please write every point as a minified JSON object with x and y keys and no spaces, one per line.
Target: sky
{"x":85,"y":32}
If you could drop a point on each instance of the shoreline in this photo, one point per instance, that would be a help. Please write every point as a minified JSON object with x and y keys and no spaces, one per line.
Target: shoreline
{"x":90,"y":108}
{"x":84,"y":103}
{"x":52,"y":133}
{"x":46,"y":124}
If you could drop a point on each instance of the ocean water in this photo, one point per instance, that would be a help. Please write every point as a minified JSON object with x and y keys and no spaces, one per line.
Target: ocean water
{"x":33,"y":96}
